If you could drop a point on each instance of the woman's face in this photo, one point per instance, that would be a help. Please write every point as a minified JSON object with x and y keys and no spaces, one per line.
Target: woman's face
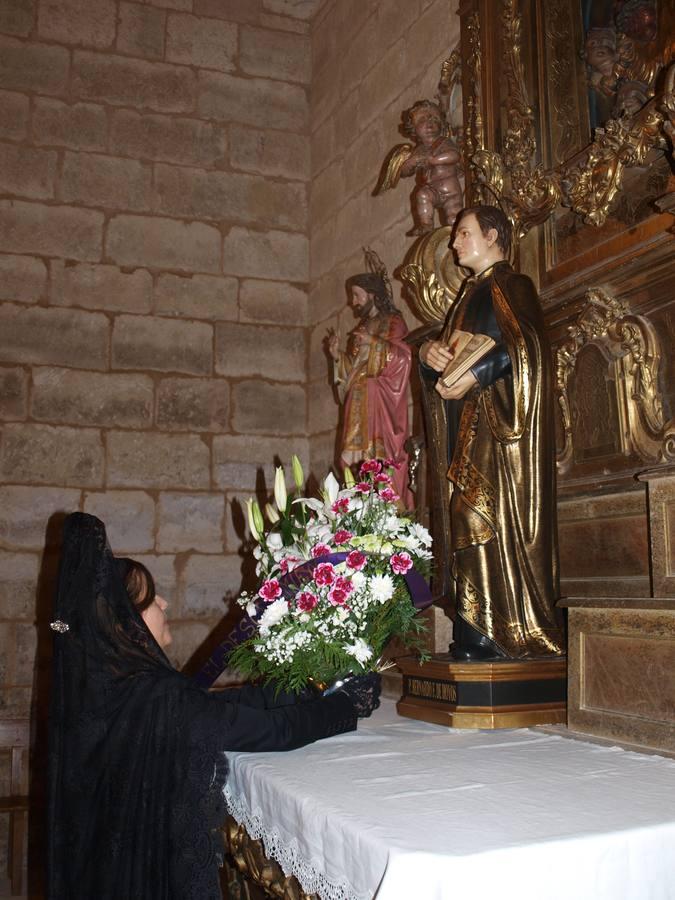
{"x":155,"y":620}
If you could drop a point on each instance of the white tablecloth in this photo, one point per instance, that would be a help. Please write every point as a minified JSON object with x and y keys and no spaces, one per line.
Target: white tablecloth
{"x":403,"y":810}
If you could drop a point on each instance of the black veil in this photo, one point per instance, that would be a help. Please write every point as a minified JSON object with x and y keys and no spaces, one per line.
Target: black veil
{"x":136,"y":768}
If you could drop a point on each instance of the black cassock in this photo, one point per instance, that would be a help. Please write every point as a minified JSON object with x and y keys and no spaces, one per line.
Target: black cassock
{"x":136,"y":762}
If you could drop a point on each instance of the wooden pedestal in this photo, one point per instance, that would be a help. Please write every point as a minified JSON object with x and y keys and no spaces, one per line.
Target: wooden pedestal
{"x":495,"y":694}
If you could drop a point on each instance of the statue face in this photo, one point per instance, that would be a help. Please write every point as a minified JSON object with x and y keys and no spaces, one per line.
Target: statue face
{"x":475,"y":250}
{"x":599,"y":51}
{"x":427,"y":125}
{"x":361,"y":301}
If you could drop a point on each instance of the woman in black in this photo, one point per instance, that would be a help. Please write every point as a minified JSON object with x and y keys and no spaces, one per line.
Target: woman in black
{"x":136,"y":762}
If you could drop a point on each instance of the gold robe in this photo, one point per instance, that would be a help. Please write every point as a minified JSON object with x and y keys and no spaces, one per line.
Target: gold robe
{"x":503,"y":503}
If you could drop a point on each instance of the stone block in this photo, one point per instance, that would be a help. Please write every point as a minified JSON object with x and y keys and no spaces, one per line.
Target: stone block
{"x":296,"y":9}
{"x":16,"y":702}
{"x":203,"y":42}
{"x":140,"y":30}
{"x":42,"y":454}
{"x":365,"y":156}
{"x":25,"y":651}
{"x":276,"y":255}
{"x":186,"y":637}
{"x":328,"y":297}
{"x":272,"y":301}
{"x":283,"y":23}
{"x":323,"y":410}
{"x":50,"y":230}
{"x":17,"y":16}
{"x":153,"y":460}
{"x":378,"y":90}
{"x":263,"y":408}
{"x":95,"y":180}
{"x":18,"y":583}
{"x":270,"y":152}
{"x":122,"y":81}
{"x":22,"y":279}
{"x":39,"y":335}
{"x":230,"y":10}
{"x":101,"y":287}
{"x":253,"y":101}
{"x":25,"y":172}
{"x":193,"y":404}
{"x":42,"y":68}
{"x":165,"y":345}
{"x":323,"y":453}
{"x":89,"y":24}
{"x":129,"y":518}
{"x":431,"y":34}
{"x":190,"y":522}
{"x":325,"y":95}
{"x":80,"y":125}
{"x":196,"y":296}
{"x":394,"y":21}
{"x":25,"y":512}
{"x":210,"y":585}
{"x":91,"y":398}
{"x":13,"y":116}
{"x":13,"y":394}
{"x":323,"y":143}
{"x":348,"y":121}
{"x":170,"y":138}
{"x":246,"y":463}
{"x":170,"y":4}
{"x":328,"y":194}
{"x":275,"y":353}
{"x":163,"y":243}
{"x":274,"y":54}
{"x":320,"y":366}
{"x":194,"y":193}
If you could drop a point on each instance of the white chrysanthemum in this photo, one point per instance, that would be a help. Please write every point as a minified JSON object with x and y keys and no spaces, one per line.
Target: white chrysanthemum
{"x":392,"y":524}
{"x":359,"y":650}
{"x":420,"y":533}
{"x":382,"y":588}
{"x":274,"y":613}
{"x":358,"y":580}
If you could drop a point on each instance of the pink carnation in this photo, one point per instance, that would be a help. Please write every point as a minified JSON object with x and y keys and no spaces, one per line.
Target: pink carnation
{"x":344,"y":584}
{"x":390,"y":463}
{"x":306,"y":601}
{"x":342,"y":536}
{"x":288,"y":563}
{"x":270,"y":590}
{"x":320,"y":550}
{"x":389,"y":495}
{"x":400,"y":563}
{"x":324,"y":574}
{"x":370,"y":465}
{"x":382,"y":478}
{"x":341,"y":505}
{"x":337,"y":596}
{"x":356,"y":560}
{"x":362,"y":486}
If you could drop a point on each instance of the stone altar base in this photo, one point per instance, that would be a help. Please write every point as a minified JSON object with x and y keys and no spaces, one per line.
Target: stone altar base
{"x":494,"y":694}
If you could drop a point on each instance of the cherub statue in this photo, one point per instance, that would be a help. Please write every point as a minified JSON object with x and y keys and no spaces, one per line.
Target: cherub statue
{"x":434,"y":159}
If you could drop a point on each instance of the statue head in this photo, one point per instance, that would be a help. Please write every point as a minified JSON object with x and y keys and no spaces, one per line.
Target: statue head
{"x":485,"y":239}
{"x":422,"y":121}
{"x":374,"y":285}
{"x":600,"y":50}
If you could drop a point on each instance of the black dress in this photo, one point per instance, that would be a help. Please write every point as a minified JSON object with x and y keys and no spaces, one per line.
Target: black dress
{"x":136,"y":760}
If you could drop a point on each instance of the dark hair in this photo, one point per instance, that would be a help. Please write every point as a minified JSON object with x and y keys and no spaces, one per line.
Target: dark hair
{"x":374,"y":284}
{"x":138,"y":581}
{"x":491,"y":217}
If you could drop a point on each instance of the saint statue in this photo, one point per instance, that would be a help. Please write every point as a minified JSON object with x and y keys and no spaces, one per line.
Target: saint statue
{"x":371,"y":376}
{"x":434,"y":159}
{"x":501,"y":454}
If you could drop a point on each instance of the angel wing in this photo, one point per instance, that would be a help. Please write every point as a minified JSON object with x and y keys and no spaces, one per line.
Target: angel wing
{"x":391,"y":168}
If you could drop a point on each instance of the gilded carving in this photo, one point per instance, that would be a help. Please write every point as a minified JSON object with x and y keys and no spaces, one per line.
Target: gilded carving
{"x":632,"y":349}
{"x":250,"y":860}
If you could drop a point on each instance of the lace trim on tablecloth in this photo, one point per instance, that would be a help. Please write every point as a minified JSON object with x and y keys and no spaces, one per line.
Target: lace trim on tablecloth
{"x":288,"y":855}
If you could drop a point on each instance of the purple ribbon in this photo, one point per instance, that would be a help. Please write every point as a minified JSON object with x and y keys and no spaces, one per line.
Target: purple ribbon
{"x":290,"y":584}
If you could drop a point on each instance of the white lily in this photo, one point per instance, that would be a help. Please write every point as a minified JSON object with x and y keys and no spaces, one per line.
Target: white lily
{"x":298,"y":474}
{"x":331,"y":488}
{"x":255,"y":519}
{"x":271,"y":513}
{"x":280,"y":494}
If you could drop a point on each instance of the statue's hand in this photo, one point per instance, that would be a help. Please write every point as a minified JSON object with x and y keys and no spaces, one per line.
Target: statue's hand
{"x":436,"y":355}
{"x":333,"y":345}
{"x":457,"y":390}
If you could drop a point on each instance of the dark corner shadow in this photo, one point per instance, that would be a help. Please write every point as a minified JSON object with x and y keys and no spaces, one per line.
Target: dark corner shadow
{"x":39,"y":716}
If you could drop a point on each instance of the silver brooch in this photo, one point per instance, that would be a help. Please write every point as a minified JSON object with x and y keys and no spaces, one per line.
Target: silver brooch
{"x":59,"y":626}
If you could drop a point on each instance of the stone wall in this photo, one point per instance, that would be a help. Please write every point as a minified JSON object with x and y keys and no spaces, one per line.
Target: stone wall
{"x":370,"y":61}
{"x":154,"y":164}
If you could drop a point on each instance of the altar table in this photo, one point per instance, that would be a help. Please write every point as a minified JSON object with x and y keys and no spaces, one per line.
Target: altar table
{"x":405,"y":810}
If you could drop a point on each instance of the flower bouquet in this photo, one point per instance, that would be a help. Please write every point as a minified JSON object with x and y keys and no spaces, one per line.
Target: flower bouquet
{"x":341,"y":575}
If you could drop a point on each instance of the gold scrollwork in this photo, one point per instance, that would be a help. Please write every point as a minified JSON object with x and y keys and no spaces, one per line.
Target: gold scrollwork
{"x":250,"y":860}
{"x":589,"y":181}
{"x":432,"y":276}
{"x":631,"y":345}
